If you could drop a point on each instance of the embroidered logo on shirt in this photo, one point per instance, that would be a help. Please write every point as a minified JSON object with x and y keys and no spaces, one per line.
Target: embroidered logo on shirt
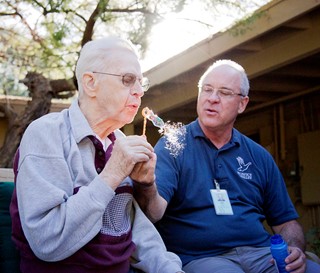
{"x":243,"y":167}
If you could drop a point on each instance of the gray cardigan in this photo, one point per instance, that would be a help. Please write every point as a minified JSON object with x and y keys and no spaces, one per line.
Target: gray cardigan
{"x":55,"y":158}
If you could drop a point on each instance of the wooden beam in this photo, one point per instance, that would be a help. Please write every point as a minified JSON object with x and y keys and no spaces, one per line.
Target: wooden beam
{"x":277,"y":13}
{"x":302,"y":44}
{"x":255,"y":63}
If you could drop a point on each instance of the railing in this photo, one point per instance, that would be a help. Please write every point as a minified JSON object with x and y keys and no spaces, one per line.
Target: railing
{"x":6,"y":175}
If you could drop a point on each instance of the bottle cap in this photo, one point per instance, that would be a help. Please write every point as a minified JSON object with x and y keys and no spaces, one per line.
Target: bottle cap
{"x":276,"y":239}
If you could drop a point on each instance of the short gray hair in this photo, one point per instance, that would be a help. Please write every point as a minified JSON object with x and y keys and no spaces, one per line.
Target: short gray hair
{"x":244,"y":84}
{"x":94,"y":54}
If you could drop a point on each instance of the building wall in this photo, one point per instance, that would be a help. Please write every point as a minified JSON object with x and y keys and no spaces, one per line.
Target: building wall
{"x":277,"y":128}
{"x":19,"y":105}
{"x":3,"y":129}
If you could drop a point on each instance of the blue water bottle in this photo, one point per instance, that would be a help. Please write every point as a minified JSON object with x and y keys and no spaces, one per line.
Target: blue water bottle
{"x":279,"y":251}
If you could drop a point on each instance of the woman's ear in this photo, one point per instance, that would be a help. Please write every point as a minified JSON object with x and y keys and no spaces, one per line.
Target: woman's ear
{"x":89,"y":84}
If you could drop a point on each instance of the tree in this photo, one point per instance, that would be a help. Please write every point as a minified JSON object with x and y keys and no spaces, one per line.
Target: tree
{"x":40,"y":41}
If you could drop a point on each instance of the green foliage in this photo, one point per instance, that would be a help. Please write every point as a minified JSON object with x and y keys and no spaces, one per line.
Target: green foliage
{"x":45,"y":36}
{"x":245,"y":24}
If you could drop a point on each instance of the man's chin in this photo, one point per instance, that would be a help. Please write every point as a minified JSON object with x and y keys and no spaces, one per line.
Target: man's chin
{"x":130,"y":120}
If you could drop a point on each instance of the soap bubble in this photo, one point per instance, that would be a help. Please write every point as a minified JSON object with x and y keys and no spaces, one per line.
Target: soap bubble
{"x":173,"y":132}
{"x":174,"y":137}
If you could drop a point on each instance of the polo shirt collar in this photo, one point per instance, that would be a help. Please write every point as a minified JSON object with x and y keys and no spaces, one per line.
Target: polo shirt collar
{"x":196,"y":131}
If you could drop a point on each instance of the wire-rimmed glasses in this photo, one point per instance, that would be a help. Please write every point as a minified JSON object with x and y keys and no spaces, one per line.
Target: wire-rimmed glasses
{"x":221,"y":92}
{"x":129,"y":79}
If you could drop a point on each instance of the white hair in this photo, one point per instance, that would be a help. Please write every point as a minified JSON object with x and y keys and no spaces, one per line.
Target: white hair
{"x":96,"y":54}
{"x":244,"y":84}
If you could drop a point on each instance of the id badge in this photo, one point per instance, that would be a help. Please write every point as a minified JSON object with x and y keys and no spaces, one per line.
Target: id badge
{"x":221,"y":202}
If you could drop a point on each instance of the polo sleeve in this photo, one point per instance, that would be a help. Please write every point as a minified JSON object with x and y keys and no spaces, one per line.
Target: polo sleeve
{"x":167,"y":181}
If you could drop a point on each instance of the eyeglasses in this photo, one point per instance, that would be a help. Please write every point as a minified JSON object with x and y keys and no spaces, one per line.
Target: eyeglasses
{"x":221,"y":92}
{"x":129,"y":79}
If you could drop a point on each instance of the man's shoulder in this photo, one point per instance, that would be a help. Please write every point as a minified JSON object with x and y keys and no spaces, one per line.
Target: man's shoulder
{"x":50,"y":120}
{"x":256,"y":149}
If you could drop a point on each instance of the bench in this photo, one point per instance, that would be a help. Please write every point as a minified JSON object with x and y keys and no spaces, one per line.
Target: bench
{"x":9,"y":256}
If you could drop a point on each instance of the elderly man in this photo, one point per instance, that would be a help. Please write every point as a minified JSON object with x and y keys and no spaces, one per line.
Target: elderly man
{"x":211,"y":199}
{"x":73,"y":209}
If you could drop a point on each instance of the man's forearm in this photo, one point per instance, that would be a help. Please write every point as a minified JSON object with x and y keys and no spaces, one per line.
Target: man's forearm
{"x":148,"y":198}
{"x":292,"y":233}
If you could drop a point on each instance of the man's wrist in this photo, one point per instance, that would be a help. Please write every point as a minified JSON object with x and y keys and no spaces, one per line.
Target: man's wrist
{"x":143,"y":184}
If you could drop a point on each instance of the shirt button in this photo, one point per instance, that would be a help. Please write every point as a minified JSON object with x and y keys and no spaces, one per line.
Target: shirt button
{"x":98,"y":170}
{"x":100,"y":153}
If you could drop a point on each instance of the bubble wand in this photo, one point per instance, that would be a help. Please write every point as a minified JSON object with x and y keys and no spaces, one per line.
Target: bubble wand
{"x":156,"y":121}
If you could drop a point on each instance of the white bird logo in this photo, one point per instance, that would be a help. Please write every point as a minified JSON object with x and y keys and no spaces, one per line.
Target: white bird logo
{"x":243,"y":167}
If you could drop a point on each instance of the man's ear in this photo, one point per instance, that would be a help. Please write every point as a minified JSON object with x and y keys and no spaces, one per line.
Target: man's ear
{"x":89,"y":84}
{"x":243,"y":104}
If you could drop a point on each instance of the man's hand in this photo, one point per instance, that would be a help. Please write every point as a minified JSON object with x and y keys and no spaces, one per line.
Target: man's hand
{"x":126,"y":153}
{"x":143,"y":172}
{"x":296,"y":261}
{"x":292,"y":233}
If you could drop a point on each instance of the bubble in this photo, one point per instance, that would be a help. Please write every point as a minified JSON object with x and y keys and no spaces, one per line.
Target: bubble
{"x":174,"y":137}
{"x":173,"y":132}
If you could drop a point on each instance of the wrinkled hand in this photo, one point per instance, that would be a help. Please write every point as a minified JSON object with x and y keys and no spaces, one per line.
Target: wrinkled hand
{"x":143,"y":172}
{"x":296,"y":261}
{"x":126,"y":153}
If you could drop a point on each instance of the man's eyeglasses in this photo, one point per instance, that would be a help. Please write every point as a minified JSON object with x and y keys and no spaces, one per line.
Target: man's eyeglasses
{"x":221,"y":92}
{"x":129,"y":79}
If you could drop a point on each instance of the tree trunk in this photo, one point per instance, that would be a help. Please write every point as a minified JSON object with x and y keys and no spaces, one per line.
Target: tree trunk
{"x":41,"y":94}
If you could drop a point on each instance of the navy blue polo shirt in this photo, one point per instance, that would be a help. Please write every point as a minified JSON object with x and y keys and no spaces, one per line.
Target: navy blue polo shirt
{"x":190,"y":227}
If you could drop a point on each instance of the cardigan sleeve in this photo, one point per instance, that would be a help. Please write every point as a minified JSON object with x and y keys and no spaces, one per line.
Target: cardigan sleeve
{"x":151,"y":254}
